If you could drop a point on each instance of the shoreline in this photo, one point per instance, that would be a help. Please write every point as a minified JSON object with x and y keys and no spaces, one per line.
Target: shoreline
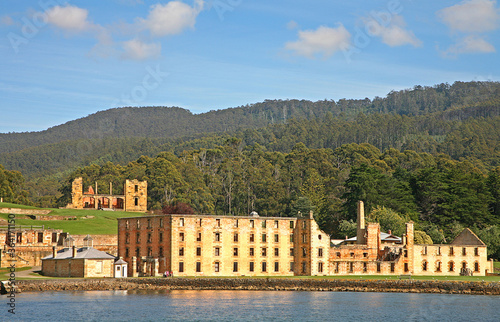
{"x":262,"y":284}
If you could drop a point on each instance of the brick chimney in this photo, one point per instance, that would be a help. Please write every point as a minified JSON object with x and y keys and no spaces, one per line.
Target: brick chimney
{"x":389,"y":232}
{"x":361,"y":229}
{"x":54,"y":252}
{"x":74,"y":251}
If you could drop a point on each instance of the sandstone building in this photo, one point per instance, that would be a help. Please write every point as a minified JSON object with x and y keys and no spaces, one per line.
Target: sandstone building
{"x":205,"y":245}
{"x":201,"y":245}
{"x":135,"y":197}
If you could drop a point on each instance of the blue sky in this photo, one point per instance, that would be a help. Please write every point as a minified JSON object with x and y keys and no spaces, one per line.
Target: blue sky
{"x":63,"y":60}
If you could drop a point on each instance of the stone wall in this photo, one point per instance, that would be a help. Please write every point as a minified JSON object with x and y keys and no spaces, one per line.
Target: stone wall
{"x":19,"y":211}
{"x":270,"y":284}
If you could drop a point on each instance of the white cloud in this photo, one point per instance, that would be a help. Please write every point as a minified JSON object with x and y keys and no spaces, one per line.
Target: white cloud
{"x":6,"y":20}
{"x":69,"y":18}
{"x":471,"y":16}
{"x":393,"y":33}
{"x":469,"y":45}
{"x":171,"y":18}
{"x":138,"y":50}
{"x":324,"y":40}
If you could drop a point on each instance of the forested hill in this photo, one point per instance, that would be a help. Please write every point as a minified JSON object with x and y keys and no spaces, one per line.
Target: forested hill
{"x":460,"y":101}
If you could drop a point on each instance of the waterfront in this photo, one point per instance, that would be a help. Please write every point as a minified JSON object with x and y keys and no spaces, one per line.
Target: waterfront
{"x":180,"y":305}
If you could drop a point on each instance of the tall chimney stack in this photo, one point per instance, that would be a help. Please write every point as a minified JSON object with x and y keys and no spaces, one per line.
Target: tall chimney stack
{"x":360,"y":232}
{"x":54,"y":252}
{"x":74,"y":251}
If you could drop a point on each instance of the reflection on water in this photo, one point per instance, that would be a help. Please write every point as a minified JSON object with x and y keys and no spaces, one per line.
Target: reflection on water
{"x":251,"y":306}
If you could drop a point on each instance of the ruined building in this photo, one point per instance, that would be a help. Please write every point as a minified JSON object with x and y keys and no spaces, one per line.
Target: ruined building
{"x":204,"y":245}
{"x":135,"y":197}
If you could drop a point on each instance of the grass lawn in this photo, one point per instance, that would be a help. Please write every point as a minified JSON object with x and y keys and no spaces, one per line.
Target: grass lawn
{"x":104,"y":222}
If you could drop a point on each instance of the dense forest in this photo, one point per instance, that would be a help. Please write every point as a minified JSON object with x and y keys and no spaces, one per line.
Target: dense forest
{"x":427,"y":154}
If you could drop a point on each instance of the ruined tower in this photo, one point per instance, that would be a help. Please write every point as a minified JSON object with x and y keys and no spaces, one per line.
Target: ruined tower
{"x":361,"y":230}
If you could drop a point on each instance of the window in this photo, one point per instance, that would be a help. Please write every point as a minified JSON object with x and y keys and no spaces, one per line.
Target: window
{"x":337,"y":268}
{"x":320,"y":252}
{"x":304,"y":267}
{"x":251,"y":252}
{"x":161,"y":251}
{"x":365,"y":255}
{"x":378,"y":267}
{"x":405,"y":252}
{"x":236,"y":223}
{"x":252,"y":238}
{"x":319,"y":237}
{"x":138,"y":238}
{"x":181,"y":222}
{"x":217,"y":223}
{"x":338,"y":254}
{"x":352,"y":254}
{"x":149,"y":223}
{"x":365,"y":266}
{"x":464,"y":251}
{"x":235,"y":237}
{"x":392,"y":267}
{"x":40,"y":237}
{"x":150,"y":252}
{"x":136,"y":201}
{"x":138,"y":224}
{"x":438,"y":266}
{"x":217,"y":251}
{"x":264,"y":251}
{"x":127,"y":238}
{"x":405,"y":267}
{"x":200,"y":222}
{"x":438,"y":251}
{"x":235,"y":267}
{"x":127,"y":226}
{"x":304,"y":225}
{"x":264,"y":266}
{"x":136,"y":188}
{"x":464,"y":265}
{"x":252,"y":224}
{"x":99,"y":267}
{"x":304,"y":238}
{"x":264,"y":238}
{"x":198,"y":251}
{"x":181,"y":267}
{"x":251,"y":267}
{"x":424,"y":266}
{"x":235,"y":251}
{"x":181,"y":237}
{"x":476,"y":251}
{"x":476,"y":267}
{"x":161,"y":222}
{"x":351,"y":267}
{"x":276,"y":238}
{"x":276,"y":266}
{"x":276,"y":224}
{"x":291,"y":251}
{"x":291,"y":266}
{"x":137,"y":252}
{"x":291,"y":238}
{"x":276,"y":251}
{"x":451,"y":266}
{"x":424,"y":250}
{"x":150,"y":237}
{"x":181,"y":251}
{"x":161,"y":237}
{"x":263,"y":224}
{"x":217,"y":237}
{"x":451,"y":251}
{"x":198,"y":267}
{"x":304,"y":252}
{"x":217,"y":267}
{"x":291,"y":224}
{"x":198,"y":238}
{"x":126,"y":253}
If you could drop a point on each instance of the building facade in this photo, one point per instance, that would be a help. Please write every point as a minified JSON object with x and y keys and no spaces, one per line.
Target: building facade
{"x":135,"y":197}
{"x":201,"y":245}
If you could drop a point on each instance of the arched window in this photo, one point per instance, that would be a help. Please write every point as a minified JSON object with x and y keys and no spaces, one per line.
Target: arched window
{"x":476,"y":267}
{"x":424,"y":266}
{"x":451,"y":266}
{"x":438,"y":266}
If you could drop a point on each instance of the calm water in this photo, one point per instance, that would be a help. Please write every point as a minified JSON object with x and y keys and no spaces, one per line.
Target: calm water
{"x":249,"y":306}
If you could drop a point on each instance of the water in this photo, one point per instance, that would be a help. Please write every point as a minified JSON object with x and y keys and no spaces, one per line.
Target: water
{"x":249,"y":306}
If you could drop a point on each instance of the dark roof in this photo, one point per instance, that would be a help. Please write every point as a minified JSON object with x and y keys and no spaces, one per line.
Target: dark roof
{"x":468,"y":238}
{"x":84,"y":252}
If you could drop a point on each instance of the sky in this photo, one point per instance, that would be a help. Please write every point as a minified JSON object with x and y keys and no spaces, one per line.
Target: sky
{"x":63,"y":60}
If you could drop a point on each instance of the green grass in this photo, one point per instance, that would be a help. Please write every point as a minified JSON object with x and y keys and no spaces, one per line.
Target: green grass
{"x":496,"y":267}
{"x":103,"y":223}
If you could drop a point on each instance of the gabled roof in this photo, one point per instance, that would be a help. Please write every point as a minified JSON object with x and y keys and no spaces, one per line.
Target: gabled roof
{"x":84,"y":252}
{"x":468,"y":238}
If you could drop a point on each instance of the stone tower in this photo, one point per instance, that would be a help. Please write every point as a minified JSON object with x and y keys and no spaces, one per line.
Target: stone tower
{"x":77,"y":193}
{"x":136,"y":195}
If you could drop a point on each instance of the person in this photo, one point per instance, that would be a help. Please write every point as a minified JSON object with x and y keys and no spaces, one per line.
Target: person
{"x":164,"y":274}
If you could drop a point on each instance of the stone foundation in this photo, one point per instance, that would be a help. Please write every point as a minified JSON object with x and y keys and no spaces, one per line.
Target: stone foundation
{"x":265,"y":284}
